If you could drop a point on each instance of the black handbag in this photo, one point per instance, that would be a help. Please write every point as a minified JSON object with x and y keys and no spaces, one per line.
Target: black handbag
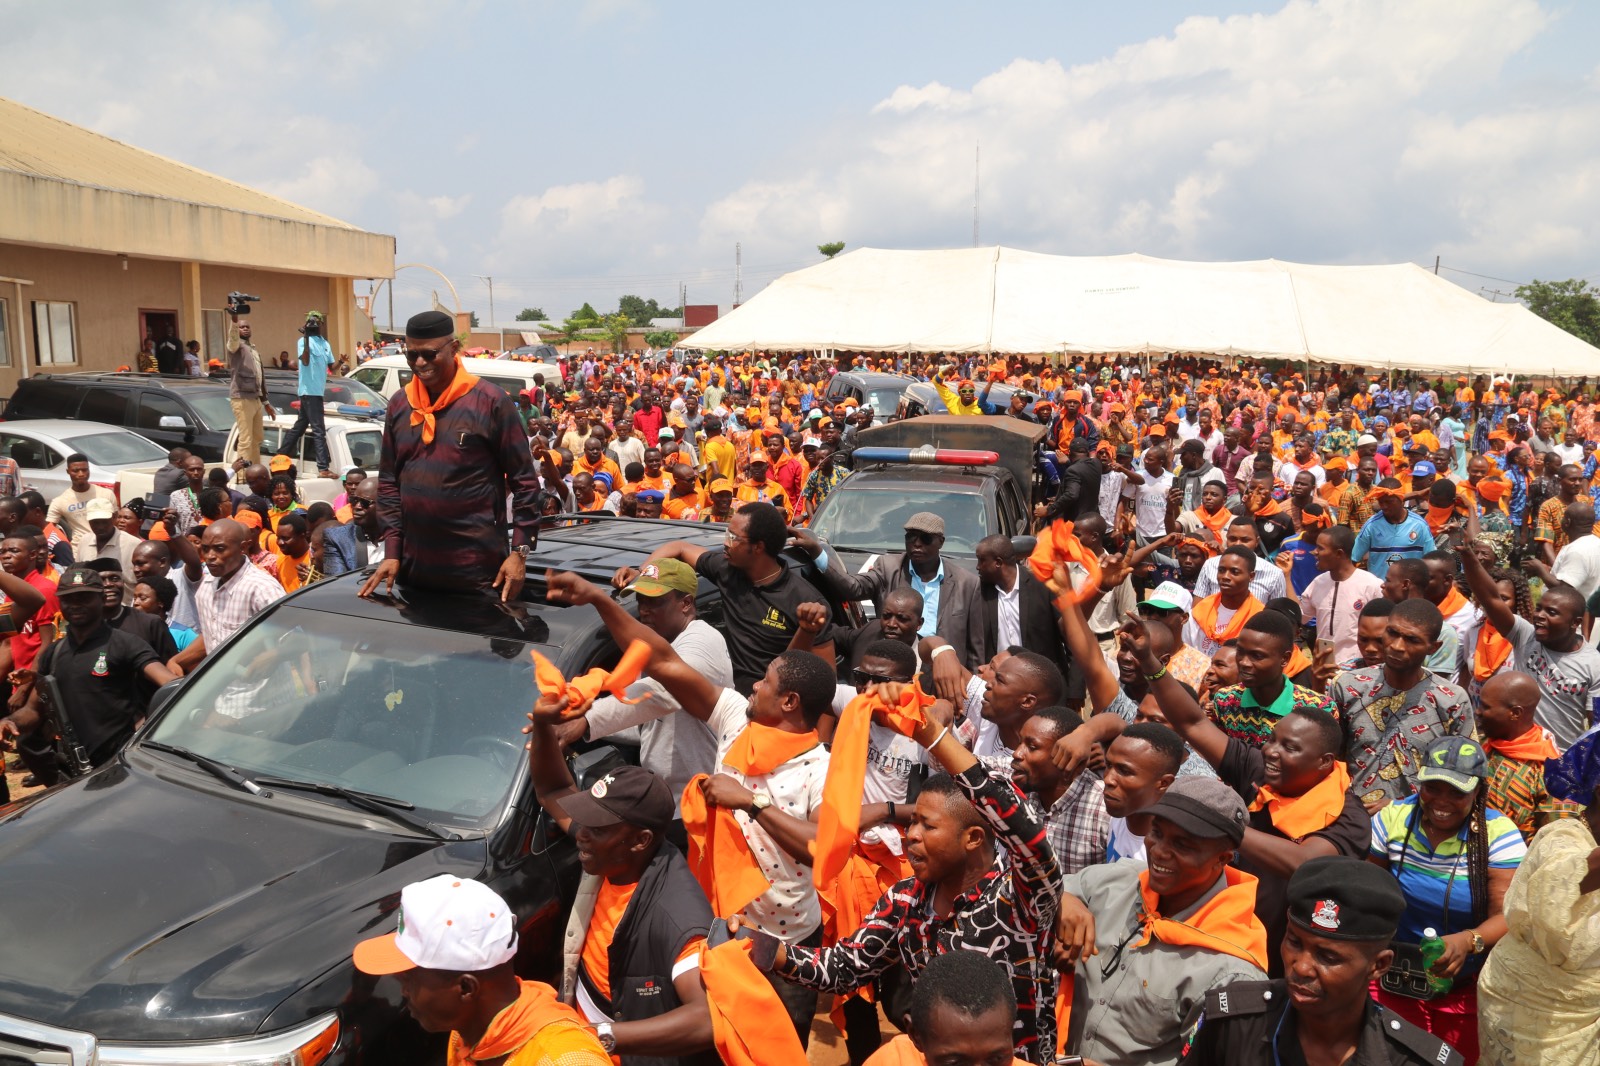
{"x":1407,"y":975}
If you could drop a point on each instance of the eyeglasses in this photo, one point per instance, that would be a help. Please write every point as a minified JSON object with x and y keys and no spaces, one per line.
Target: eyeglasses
{"x":917,"y":536}
{"x":427,"y":354}
{"x":862,"y":679}
{"x":734,"y":538}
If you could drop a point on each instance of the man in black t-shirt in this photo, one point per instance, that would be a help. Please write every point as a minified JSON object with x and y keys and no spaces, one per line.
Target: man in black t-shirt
{"x":102,"y":675}
{"x":147,"y":627}
{"x":760,"y":594}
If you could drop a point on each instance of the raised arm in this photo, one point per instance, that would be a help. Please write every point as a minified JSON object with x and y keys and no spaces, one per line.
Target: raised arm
{"x":25,"y":602}
{"x":687,"y":685}
{"x":1183,"y":711}
{"x":1483,"y":590}
{"x":680,"y":550}
{"x":552,"y":780}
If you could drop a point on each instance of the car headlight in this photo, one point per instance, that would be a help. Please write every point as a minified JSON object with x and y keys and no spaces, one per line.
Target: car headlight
{"x":305,"y":1045}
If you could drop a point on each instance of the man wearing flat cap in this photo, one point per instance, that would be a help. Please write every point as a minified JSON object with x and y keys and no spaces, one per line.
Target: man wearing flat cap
{"x":631,"y":953}
{"x":1145,"y":942}
{"x":453,"y":449}
{"x":1343,"y":912}
{"x":952,"y":605}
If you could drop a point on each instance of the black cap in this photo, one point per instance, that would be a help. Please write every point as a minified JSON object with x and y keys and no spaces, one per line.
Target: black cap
{"x":1204,"y":807}
{"x":105,"y":564}
{"x":430,"y":325}
{"x":630,"y":794}
{"x":75,"y":579}
{"x":1345,"y":898}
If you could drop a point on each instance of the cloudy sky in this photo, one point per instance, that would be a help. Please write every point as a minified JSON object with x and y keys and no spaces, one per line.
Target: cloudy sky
{"x":580,"y":149}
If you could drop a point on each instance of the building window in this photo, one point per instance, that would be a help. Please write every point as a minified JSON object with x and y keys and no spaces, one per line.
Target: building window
{"x":5,"y":333}
{"x":54,"y":333}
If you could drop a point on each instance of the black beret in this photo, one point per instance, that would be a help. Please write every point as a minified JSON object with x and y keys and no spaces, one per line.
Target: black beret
{"x":430,"y":325}
{"x":1344,"y":898}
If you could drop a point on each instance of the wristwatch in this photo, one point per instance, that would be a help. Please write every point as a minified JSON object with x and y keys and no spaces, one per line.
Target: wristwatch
{"x":758,"y":803}
{"x":522,"y":550}
{"x":608,"y":1041}
{"x":1478,"y":946}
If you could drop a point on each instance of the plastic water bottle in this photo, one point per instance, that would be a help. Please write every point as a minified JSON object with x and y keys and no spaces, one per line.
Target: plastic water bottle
{"x":1432,"y":952}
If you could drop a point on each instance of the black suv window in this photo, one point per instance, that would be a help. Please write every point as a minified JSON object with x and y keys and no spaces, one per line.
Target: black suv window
{"x":43,"y":399}
{"x":104,"y":405}
{"x":29,"y":454}
{"x":154,"y":406}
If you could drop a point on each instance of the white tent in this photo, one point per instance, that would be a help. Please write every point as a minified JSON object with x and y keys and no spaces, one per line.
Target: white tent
{"x":1003,"y":300}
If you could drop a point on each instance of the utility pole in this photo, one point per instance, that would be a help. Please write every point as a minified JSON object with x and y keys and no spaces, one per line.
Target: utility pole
{"x":1435,"y":266}
{"x":738,"y":274}
{"x":976,"y":149}
{"x":490,"y":282}
{"x":391,"y":305}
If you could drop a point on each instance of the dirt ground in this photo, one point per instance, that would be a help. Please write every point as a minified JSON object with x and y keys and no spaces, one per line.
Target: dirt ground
{"x":14,"y":775}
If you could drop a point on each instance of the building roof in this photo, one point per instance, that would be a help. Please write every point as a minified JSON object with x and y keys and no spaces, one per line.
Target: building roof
{"x":43,"y":146}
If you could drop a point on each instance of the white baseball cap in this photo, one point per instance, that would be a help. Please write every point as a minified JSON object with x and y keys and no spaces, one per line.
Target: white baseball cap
{"x":1169,"y":596}
{"x":446,"y":923}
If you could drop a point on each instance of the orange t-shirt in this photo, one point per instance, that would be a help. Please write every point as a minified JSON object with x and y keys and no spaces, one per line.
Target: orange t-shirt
{"x":609,"y":906}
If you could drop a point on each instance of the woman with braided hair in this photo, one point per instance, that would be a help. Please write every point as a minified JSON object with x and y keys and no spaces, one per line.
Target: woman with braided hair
{"x":1454,"y":858}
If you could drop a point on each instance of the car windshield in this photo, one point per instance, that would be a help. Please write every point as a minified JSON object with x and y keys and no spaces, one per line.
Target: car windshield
{"x":213,"y":408}
{"x":116,"y":449}
{"x":874,"y":519}
{"x":424,"y":715}
{"x":348,"y":390}
{"x":884,"y":401}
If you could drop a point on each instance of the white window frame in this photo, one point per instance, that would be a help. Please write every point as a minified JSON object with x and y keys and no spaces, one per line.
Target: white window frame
{"x":5,"y":333}
{"x":55,"y":333}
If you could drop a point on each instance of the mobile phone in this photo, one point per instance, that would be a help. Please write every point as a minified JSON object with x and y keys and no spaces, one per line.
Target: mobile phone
{"x":1324,"y":646}
{"x":1069,"y":1060}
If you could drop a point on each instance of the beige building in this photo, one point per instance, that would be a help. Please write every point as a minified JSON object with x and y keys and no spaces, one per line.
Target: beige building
{"x":103,"y":244}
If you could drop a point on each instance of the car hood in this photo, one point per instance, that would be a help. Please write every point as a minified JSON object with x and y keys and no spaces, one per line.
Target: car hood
{"x":141,"y":908}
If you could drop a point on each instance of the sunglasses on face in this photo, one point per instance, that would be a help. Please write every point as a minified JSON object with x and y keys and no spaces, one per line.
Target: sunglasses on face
{"x":426,"y":354}
{"x":914,"y":536}
{"x":862,"y":679}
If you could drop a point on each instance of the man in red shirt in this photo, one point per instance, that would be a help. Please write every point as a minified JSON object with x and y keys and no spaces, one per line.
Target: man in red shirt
{"x":786,"y":469}
{"x":31,"y":599}
{"x":648,"y":417}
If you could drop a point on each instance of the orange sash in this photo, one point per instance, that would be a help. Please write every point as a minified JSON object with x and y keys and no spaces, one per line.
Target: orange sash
{"x":536,"y":1006}
{"x":748,"y":1021}
{"x":1227,"y":922}
{"x":1439,"y":517}
{"x":1271,"y":507}
{"x":1452,"y":602}
{"x":1490,"y":653}
{"x":719,"y":855}
{"x":1298,"y":661}
{"x":1056,"y":544}
{"x":423,"y":409}
{"x":1214,"y":523}
{"x":760,"y":749}
{"x":839,"y":820}
{"x":1297,"y":817}
{"x":902,"y":1052}
{"x":1536,"y":745}
{"x":584,"y":690}
{"x":1205,"y":616}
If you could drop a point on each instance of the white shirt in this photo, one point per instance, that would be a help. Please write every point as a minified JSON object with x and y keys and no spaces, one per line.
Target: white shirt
{"x":1008,"y":613}
{"x":890,"y":760}
{"x":1198,"y":638}
{"x":1570,"y":453}
{"x":1336,"y":605}
{"x":1288,"y":470}
{"x":1150,"y":504}
{"x":789,"y":909}
{"x":183,"y":610}
{"x":1124,"y":844}
{"x":1111,"y":491}
{"x":1578,"y":564}
{"x":1188,"y":430}
{"x":1266,"y":584}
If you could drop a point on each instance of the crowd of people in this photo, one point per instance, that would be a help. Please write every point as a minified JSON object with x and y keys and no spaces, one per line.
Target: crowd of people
{"x":1276,"y":743}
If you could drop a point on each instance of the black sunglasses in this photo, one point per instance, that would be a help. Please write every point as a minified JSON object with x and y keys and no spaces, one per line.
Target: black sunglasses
{"x":919,"y":537}
{"x":863,"y":679}
{"x":429,"y":354}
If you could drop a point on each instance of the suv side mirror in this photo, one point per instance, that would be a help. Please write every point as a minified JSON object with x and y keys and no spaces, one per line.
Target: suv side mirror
{"x":172,"y":422}
{"x":163,"y":696}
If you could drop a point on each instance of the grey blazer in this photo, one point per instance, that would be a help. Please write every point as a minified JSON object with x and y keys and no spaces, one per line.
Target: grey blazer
{"x":960,"y":618}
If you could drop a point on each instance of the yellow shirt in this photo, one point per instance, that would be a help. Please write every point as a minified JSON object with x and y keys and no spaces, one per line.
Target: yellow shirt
{"x":720,"y":454}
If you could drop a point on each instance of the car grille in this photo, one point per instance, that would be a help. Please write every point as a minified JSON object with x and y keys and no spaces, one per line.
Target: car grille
{"x":26,"y":1043}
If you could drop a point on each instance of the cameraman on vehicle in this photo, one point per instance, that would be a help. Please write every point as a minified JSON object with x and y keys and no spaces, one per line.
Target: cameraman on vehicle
{"x":316,"y":356}
{"x":247,"y":386}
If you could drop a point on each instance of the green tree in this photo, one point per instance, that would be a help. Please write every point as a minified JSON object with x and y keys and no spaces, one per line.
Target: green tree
{"x":1570,"y":304}
{"x":587,"y":314}
{"x":531,"y":314}
{"x":831,"y":249}
{"x":474,"y":320}
{"x":661,"y":338}
{"x":616,"y":328}
{"x":640,"y":311}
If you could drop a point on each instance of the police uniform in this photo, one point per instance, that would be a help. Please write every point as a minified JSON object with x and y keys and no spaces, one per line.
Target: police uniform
{"x":1251,"y":1023}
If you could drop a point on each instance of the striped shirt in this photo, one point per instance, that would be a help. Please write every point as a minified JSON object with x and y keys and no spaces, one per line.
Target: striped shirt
{"x":442,"y":506}
{"x":227,"y":604}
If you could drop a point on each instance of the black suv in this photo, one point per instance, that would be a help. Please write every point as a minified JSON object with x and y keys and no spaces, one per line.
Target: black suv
{"x":173,"y":411}
{"x":205,"y":887}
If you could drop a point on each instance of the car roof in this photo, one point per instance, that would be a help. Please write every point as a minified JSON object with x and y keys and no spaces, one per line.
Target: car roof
{"x":875,"y":377}
{"x":128,"y":378}
{"x":62,"y":428}
{"x":894,"y":477}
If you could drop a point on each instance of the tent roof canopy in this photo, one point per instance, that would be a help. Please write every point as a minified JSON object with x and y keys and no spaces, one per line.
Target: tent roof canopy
{"x":1001,"y":300}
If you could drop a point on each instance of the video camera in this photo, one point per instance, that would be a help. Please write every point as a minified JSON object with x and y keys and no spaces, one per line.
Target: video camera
{"x":239,"y":303}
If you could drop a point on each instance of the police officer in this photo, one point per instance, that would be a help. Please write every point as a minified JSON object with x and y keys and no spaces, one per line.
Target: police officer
{"x":1342,"y":914}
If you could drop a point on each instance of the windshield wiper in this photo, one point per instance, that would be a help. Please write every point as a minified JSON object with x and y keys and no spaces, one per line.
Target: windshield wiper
{"x":396,"y":810}
{"x":220,"y":770}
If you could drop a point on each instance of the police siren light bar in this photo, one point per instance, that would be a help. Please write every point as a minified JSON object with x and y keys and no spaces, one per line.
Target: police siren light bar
{"x":927,"y":453}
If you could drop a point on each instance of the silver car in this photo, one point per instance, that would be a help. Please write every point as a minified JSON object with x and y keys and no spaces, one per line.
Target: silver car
{"x":41,"y":446}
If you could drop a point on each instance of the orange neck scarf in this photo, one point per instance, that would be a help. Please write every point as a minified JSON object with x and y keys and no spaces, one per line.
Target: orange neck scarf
{"x":1057,"y":544}
{"x":585,"y":689}
{"x":535,"y":1007}
{"x":1271,"y":507}
{"x":1216,"y":523}
{"x":1205,"y":616}
{"x":1439,"y":517}
{"x":746,"y":1013}
{"x":1298,"y":661}
{"x":761,"y":749}
{"x":1453,"y":601}
{"x":1226,"y":922}
{"x":1490,"y":653}
{"x":1297,"y":817}
{"x":902,"y":1052}
{"x":719,"y":855}
{"x":423,"y":409}
{"x":1536,"y":745}
{"x":839,"y":820}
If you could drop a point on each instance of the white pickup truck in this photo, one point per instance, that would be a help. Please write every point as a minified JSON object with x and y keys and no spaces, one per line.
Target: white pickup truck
{"x":351,"y":442}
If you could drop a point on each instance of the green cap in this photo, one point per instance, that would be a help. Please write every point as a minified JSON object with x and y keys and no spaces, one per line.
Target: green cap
{"x":661,"y":576}
{"x":1456,"y":761}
